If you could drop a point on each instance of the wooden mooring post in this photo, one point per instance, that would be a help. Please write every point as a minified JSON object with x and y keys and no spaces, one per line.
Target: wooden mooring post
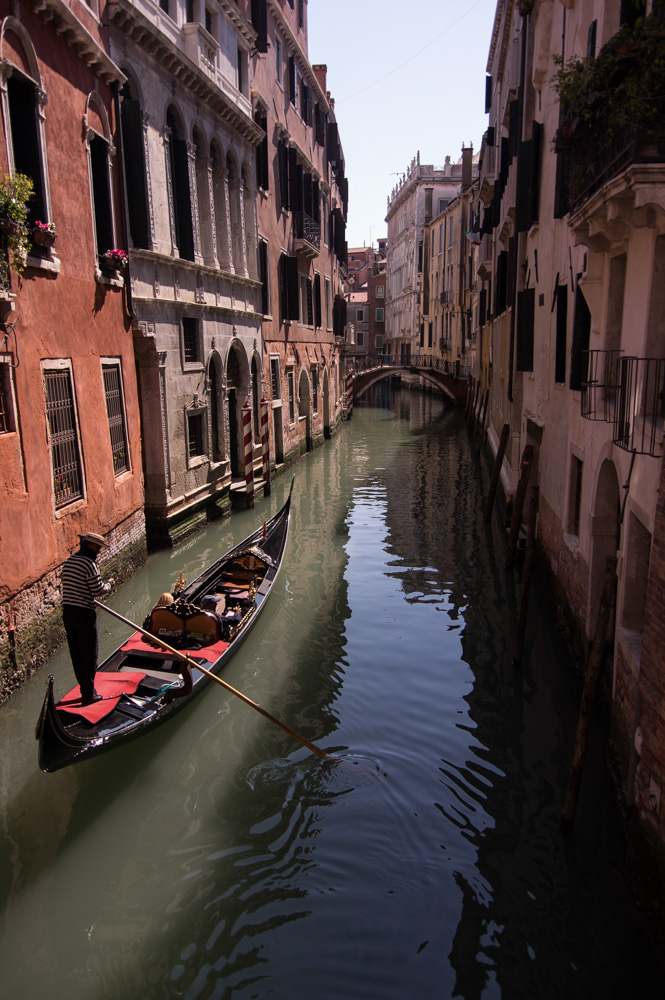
{"x":518,"y":504}
{"x":481,"y":420}
{"x":527,"y":573}
{"x":605,"y":616}
{"x":494,"y":482}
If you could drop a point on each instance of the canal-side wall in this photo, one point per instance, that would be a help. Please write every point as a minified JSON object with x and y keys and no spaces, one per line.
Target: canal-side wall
{"x":31,"y":623}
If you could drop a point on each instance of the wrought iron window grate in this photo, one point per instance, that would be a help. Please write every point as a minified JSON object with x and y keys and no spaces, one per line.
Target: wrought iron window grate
{"x":65,"y":452}
{"x":116,"y":415}
{"x":639,"y":415}
{"x":599,"y":388}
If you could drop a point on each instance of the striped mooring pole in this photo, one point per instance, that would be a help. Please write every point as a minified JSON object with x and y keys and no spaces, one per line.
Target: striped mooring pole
{"x":265,"y":445}
{"x":249,"y":453}
{"x":349,"y":393}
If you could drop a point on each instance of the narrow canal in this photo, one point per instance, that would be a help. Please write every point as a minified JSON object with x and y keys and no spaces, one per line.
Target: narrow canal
{"x":215,"y":858}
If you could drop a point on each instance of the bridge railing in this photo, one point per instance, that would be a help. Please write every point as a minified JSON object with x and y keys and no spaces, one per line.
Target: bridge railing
{"x":370,"y":362}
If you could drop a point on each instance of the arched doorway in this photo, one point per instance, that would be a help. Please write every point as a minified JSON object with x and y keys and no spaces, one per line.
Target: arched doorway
{"x":235,"y":381}
{"x":304,"y":410}
{"x":605,"y":535}
{"x":216,"y":408}
{"x":256,"y":396}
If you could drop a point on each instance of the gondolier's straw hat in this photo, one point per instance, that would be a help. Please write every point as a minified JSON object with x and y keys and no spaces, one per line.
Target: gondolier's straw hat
{"x":94,"y":539}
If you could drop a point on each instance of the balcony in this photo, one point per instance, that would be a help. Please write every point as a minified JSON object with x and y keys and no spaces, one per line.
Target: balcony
{"x":599,"y":389}
{"x":639,"y":412}
{"x":306,"y":235}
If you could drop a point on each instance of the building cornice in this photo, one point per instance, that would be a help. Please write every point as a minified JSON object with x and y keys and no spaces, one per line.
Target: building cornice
{"x":79,"y":39}
{"x":300,"y":56}
{"x":133,"y":24}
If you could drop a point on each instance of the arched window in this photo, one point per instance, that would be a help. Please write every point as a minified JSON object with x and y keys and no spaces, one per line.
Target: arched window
{"x":23,"y":102}
{"x":98,"y":141}
{"x":134,"y":159}
{"x":220,"y":206}
{"x":237,"y":248}
{"x":203,"y":196}
{"x":178,"y":163}
{"x":249,"y":219}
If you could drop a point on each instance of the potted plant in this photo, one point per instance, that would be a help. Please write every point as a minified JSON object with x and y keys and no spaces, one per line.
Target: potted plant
{"x":44,"y":234}
{"x":114,"y":260}
{"x":15,"y":193}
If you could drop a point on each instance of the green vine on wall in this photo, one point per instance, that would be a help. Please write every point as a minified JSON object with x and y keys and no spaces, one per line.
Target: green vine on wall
{"x":16,"y":190}
{"x":622,"y":90}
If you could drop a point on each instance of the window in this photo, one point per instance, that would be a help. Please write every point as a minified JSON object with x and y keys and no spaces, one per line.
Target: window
{"x":115,"y":411}
{"x":279,"y":61}
{"x":259,"y":15}
{"x":98,"y":151}
{"x":275,"y":381}
{"x":191,"y":341}
{"x":575,"y":496}
{"x":360,"y":315}
{"x":317,"y":300}
{"x":328,"y":305}
{"x":380,"y":291}
{"x":450,"y":232}
{"x":180,"y":191}
{"x":262,"y":164}
{"x":306,"y":301}
{"x":315,"y":389}
{"x":195,"y":435}
{"x":561,"y":331}
{"x":66,"y":465}
{"x":7,"y":419}
{"x":301,"y":13}
{"x":293,"y":90}
{"x":25,"y":105}
{"x":292,"y":395}
{"x":379,"y":315}
{"x":189,"y":11}
{"x":379,"y":340}
{"x":243,"y":74}
{"x":134,"y":161}
{"x":264,"y":276}
{"x":289,"y":302}
{"x":440,"y":237}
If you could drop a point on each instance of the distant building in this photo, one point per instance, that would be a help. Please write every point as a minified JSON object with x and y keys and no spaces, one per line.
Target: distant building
{"x":357,"y":324}
{"x":424,"y":191}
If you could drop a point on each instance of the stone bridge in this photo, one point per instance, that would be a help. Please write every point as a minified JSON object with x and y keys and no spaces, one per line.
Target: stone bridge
{"x":449,"y":376}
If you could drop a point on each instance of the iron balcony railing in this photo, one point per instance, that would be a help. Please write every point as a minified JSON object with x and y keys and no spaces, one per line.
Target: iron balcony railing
{"x":639,"y":413}
{"x":305,"y":228}
{"x":600,"y":385}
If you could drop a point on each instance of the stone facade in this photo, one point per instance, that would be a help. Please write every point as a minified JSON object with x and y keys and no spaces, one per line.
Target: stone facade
{"x":570,"y":223}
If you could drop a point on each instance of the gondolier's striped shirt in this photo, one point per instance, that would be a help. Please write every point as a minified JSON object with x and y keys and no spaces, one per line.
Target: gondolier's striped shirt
{"x":81,"y":581}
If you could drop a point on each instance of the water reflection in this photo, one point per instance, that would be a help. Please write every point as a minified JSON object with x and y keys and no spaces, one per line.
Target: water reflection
{"x":216,"y":858}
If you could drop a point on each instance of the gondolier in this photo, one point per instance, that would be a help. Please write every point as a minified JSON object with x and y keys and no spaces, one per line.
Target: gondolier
{"x":81,"y":583}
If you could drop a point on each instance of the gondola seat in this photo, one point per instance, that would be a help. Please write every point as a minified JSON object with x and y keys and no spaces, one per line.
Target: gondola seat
{"x":199,"y":625}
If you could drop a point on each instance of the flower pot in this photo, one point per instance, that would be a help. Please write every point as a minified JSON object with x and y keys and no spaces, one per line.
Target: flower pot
{"x":43,"y":238}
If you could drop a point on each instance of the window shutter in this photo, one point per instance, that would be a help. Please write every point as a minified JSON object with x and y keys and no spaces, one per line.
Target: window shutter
{"x":317,"y":300}
{"x":526,"y":302}
{"x":310,"y":101}
{"x":524,"y":181}
{"x":310,"y":311}
{"x":137,"y":202}
{"x":581,"y":332}
{"x":561,"y":333}
{"x":491,"y":136}
{"x":293,"y":179}
{"x":333,"y":143}
{"x":591,"y":40}
{"x":260,"y":24}
{"x":292,"y":80}
{"x":537,"y":145}
{"x":488,"y":94}
{"x":292,"y":302}
{"x":482,"y":307}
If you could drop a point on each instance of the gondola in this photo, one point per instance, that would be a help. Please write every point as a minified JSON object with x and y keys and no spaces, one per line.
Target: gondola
{"x":141,"y":684}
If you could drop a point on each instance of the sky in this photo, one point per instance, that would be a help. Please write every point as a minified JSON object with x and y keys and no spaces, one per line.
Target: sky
{"x":401,"y":84}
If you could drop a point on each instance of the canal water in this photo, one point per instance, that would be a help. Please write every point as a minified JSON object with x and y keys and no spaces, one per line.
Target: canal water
{"x":216,"y":858}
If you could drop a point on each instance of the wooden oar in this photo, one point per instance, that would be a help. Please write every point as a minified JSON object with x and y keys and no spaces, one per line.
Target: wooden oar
{"x":243,"y":697}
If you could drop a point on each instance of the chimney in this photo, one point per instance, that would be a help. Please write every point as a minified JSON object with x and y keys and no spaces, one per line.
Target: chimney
{"x":320,"y":72}
{"x":428,"y":204}
{"x":467,"y":167}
